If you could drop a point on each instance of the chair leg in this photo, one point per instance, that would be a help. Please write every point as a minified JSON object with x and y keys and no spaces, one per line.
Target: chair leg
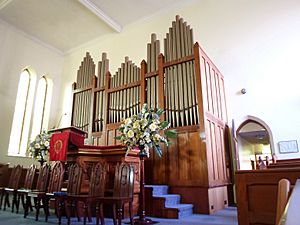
{"x":97,"y":213}
{"x":101,"y":214}
{"x":59,"y":205}
{"x":114,"y":214}
{"x":130,"y":213}
{"x":68,"y":207}
{"x":23,"y":198}
{"x":89,"y":206}
{"x":30,"y":205}
{"x":1,"y":200}
{"x":6,"y":201}
{"x":76,"y":211}
{"x":26,"y":206}
{"x":18,"y":203}
{"x":14,"y":201}
{"x":20,"y":198}
{"x":120,"y":213}
{"x":46,"y":208}
{"x":84,"y":213}
{"x":37,"y":203}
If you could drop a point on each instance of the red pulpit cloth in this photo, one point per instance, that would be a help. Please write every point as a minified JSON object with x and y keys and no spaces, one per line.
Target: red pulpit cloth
{"x":59,"y":146}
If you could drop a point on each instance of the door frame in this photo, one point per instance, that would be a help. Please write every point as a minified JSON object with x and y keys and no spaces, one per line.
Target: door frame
{"x":244,"y":121}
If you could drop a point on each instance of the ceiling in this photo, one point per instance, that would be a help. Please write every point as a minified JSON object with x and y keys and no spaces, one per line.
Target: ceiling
{"x":66,"y":24}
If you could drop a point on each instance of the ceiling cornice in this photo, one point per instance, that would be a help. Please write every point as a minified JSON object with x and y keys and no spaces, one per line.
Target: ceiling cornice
{"x":4,"y":3}
{"x":103,"y":16}
{"x":32,"y":38}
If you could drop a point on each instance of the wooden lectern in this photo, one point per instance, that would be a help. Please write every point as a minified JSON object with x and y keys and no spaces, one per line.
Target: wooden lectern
{"x":64,"y":140}
{"x":88,"y":155}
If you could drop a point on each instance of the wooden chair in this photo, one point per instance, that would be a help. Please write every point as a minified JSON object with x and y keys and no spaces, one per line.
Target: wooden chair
{"x":122,"y":193}
{"x":75,"y":173}
{"x":41,"y":186}
{"x":42,"y":198}
{"x":55,"y":186}
{"x":5,"y":173}
{"x":282,"y":197}
{"x":13,"y":185}
{"x":28,"y":185}
{"x":3,"y":184}
{"x":96,"y":189}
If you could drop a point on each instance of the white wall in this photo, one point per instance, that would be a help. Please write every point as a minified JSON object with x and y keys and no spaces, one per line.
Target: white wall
{"x":254,"y":43}
{"x":18,"y":51}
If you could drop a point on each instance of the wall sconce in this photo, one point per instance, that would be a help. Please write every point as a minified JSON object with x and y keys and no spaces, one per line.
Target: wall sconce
{"x":243,"y":91}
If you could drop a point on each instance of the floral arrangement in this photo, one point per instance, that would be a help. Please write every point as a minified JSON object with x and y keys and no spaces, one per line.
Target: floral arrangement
{"x":144,"y":131}
{"x":39,"y":147}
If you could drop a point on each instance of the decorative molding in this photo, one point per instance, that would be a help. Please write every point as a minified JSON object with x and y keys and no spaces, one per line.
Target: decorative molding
{"x":103,"y":16}
{"x":32,"y":38}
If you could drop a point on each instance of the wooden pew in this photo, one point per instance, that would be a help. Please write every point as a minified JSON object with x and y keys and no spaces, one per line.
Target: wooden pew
{"x":256,"y":194}
{"x":296,"y":160}
{"x":285,"y":163}
{"x":291,"y":214}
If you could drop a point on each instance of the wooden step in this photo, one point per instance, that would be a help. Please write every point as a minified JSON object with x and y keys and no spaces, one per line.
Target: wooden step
{"x":161,"y":204}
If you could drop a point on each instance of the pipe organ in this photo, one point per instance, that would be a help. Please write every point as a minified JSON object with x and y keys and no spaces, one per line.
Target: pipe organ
{"x":188,"y":86}
{"x":98,"y":119}
{"x":82,"y":94}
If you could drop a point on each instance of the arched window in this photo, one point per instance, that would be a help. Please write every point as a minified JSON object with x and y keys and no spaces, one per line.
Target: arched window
{"x":41,"y":106}
{"x":22,"y":114}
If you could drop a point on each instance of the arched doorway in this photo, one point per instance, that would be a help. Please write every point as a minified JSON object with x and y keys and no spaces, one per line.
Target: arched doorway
{"x":253,"y":140}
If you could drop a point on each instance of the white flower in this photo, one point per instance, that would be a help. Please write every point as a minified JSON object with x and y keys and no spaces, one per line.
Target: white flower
{"x":46,"y":143}
{"x":147,"y":150}
{"x":157,"y":137}
{"x":147,"y":139}
{"x":153,"y":127}
{"x":144,"y":122}
{"x":37,"y":145}
{"x":128,"y":121}
{"x":136,"y":125}
{"x":130,"y":134}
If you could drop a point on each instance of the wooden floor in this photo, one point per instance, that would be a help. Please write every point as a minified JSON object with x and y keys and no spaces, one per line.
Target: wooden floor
{"x":227,"y":216}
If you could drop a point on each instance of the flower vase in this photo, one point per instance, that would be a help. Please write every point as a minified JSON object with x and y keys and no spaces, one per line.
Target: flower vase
{"x":41,"y":160}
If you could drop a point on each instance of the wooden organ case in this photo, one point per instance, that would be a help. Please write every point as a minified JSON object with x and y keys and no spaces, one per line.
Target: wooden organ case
{"x":189,"y":87}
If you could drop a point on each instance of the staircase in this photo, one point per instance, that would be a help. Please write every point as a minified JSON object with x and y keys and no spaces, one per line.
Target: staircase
{"x":164,"y":205}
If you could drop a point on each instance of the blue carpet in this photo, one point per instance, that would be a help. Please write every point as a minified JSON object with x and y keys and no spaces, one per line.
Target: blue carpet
{"x":227,"y":216}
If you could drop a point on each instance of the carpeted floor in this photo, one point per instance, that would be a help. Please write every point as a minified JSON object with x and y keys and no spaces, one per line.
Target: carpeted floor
{"x":227,"y":216}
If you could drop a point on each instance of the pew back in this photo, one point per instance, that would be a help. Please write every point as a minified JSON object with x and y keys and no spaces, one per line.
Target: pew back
{"x":256,"y":193}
